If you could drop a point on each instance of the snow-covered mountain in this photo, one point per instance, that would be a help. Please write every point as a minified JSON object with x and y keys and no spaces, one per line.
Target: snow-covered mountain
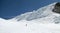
{"x":42,"y":14}
{"x":41,"y":20}
{"x":39,"y":13}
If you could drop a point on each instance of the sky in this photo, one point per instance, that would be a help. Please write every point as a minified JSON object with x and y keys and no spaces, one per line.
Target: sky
{"x":13,"y":8}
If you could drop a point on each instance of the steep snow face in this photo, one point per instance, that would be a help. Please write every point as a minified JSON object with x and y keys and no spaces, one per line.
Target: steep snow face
{"x":37,"y":14}
{"x":54,"y":18}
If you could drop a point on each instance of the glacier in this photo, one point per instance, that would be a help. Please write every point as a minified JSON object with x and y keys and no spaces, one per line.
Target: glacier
{"x":42,"y":20}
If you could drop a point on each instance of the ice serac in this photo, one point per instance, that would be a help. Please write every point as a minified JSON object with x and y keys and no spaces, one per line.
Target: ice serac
{"x":45,"y":13}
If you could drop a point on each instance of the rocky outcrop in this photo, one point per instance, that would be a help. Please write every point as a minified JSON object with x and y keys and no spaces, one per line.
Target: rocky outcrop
{"x":57,"y":8}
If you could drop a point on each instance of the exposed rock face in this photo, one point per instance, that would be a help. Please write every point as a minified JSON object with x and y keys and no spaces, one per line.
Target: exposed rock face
{"x":57,"y":8}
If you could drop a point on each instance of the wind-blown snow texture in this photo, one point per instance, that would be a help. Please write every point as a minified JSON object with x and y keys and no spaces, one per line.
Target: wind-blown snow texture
{"x":42,"y":20}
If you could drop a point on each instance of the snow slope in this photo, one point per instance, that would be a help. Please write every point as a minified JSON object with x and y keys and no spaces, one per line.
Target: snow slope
{"x":42,"y":20}
{"x":28,"y":27}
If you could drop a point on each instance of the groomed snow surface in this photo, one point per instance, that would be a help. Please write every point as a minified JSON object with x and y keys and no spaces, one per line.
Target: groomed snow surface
{"x":28,"y":27}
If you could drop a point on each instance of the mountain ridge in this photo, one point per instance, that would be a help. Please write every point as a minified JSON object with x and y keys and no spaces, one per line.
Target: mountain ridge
{"x":43,"y":14}
{"x":35,"y":14}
